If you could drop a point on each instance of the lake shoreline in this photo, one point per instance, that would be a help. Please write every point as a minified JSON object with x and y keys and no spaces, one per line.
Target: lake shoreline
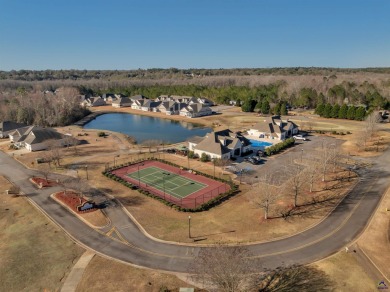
{"x":144,"y":127}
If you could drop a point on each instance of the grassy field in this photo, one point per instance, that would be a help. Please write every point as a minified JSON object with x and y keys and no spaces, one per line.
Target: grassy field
{"x":346,"y":273}
{"x":106,"y":275}
{"x":34,"y":253}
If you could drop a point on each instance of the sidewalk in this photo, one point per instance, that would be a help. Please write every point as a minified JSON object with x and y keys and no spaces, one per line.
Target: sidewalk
{"x":77,"y":271}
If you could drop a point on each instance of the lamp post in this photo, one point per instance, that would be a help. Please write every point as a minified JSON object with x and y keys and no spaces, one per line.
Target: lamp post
{"x":301,"y":154}
{"x":189,"y":226}
{"x":86,"y":170}
{"x":139,"y":179}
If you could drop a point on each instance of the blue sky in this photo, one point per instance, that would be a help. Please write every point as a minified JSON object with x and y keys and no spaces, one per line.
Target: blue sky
{"x":120,"y":34}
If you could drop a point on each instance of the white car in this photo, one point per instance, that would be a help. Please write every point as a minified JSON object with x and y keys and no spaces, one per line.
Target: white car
{"x":299,"y":137}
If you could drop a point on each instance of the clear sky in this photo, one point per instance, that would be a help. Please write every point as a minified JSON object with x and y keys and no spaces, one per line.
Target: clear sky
{"x":131,"y":34}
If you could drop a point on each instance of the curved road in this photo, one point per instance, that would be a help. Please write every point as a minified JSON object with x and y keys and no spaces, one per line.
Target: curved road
{"x":133,"y":246}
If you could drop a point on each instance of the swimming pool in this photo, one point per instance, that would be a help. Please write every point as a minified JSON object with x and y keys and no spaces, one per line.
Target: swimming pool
{"x":260,"y":144}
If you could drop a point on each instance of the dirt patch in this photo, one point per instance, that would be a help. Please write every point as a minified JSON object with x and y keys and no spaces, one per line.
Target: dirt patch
{"x":106,"y":275}
{"x":34,"y":253}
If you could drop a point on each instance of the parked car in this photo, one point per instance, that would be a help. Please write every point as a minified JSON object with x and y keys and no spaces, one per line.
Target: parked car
{"x":299,"y":137}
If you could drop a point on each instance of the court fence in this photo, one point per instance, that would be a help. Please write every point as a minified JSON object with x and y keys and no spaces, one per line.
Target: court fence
{"x":202,"y":202}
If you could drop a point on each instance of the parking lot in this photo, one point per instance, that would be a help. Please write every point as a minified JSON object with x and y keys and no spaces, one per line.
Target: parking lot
{"x":285,"y":163}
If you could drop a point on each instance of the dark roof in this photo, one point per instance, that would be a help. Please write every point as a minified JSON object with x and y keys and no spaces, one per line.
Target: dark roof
{"x":39,"y":135}
{"x":9,"y":126}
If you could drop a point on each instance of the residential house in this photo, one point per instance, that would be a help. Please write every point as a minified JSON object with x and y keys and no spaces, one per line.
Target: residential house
{"x":138,"y":103}
{"x":111,"y":97}
{"x":150,"y":105}
{"x":274,"y":128}
{"x":195,"y":110}
{"x":170,"y":107}
{"x":36,"y":138}
{"x":137,"y":97}
{"x":8,"y":127}
{"x":205,"y":101}
{"x":93,"y":101}
{"x":122,"y":102}
{"x":222,"y":144}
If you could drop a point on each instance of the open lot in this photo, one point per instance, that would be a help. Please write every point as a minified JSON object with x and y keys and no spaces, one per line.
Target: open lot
{"x":35,"y":255}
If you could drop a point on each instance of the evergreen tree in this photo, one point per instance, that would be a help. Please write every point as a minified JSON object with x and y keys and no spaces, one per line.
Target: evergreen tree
{"x":360,"y":113}
{"x":343,"y":111}
{"x":248,"y":106}
{"x":276,"y":109}
{"x":335,"y":111}
{"x":283,"y":109}
{"x":327,"y":110}
{"x":265,"y":107}
{"x":320,"y":109}
{"x":351,"y":113}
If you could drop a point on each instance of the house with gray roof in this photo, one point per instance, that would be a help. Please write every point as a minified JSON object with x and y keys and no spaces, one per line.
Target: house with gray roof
{"x":150,"y":105}
{"x":274,"y":128}
{"x":195,"y":110}
{"x":222,"y":144}
{"x":93,"y":101}
{"x":36,"y":138}
{"x":8,"y":127}
{"x":170,"y":107}
{"x":123,"y":101}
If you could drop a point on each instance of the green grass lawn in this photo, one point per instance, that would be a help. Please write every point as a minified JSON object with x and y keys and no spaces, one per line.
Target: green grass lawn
{"x":168,"y":182}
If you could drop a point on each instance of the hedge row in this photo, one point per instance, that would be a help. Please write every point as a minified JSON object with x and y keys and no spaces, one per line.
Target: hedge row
{"x":279,"y":146}
{"x":206,"y":206}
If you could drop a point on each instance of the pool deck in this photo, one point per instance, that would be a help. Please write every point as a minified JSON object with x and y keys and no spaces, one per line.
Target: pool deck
{"x":272,"y":141}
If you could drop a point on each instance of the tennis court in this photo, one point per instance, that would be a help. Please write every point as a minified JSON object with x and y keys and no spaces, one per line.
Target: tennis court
{"x":167,"y":182}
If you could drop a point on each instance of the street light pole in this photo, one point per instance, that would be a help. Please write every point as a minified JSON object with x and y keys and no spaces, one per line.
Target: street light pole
{"x":301,"y":154}
{"x":139,"y":179}
{"x":189,"y":226}
{"x":86,"y":170}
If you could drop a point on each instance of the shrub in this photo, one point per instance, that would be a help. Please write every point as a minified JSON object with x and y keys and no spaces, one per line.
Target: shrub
{"x":101,"y":134}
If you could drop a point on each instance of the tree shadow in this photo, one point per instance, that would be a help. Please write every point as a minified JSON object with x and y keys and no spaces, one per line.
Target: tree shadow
{"x":295,"y":279}
{"x":132,"y":201}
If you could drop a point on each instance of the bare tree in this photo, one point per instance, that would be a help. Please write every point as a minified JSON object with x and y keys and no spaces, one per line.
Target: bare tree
{"x":265,"y":194}
{"x":225,"y":268}
{"x":44,"y":170}
{"x":311,"y":172}
{"x":296,"y":180}
{"x":53,"y":153}
{"x":325,"y":159}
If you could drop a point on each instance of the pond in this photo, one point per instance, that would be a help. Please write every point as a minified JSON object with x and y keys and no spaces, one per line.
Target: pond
{"x":144,"y":128}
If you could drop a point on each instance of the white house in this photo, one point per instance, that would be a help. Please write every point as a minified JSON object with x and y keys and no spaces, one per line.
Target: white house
{"x":274,"y":128}
{"x":195,"y":110}
{"x":122,"y":102}
{"x":93,"y":101}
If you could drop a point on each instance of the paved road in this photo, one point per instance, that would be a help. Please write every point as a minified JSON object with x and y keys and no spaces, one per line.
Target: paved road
{"x":331,"y":235}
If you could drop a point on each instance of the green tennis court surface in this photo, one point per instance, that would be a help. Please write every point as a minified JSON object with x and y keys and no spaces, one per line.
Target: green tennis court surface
{"x":167,"y":182}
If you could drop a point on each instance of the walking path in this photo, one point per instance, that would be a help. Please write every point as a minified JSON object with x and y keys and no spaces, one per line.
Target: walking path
{"x":77,"y":271}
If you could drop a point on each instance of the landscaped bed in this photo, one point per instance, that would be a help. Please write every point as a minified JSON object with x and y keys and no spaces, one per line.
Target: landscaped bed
{"x":73,"y":201}
{"x":43,"y":182}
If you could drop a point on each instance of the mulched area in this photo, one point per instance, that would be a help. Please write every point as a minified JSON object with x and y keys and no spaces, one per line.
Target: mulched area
{"x":72,"y":200}
{"x":45,"y":183}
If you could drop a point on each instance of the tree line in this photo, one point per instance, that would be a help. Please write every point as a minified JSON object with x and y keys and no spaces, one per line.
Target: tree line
{"x":341,"y":112}
{"x":38,"y":108}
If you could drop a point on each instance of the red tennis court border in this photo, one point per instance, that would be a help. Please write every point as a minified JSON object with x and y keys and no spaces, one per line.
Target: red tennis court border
{"x":213,"y":187}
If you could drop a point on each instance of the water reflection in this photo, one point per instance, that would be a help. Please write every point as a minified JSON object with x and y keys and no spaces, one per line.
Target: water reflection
{"x":147,"y":128}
